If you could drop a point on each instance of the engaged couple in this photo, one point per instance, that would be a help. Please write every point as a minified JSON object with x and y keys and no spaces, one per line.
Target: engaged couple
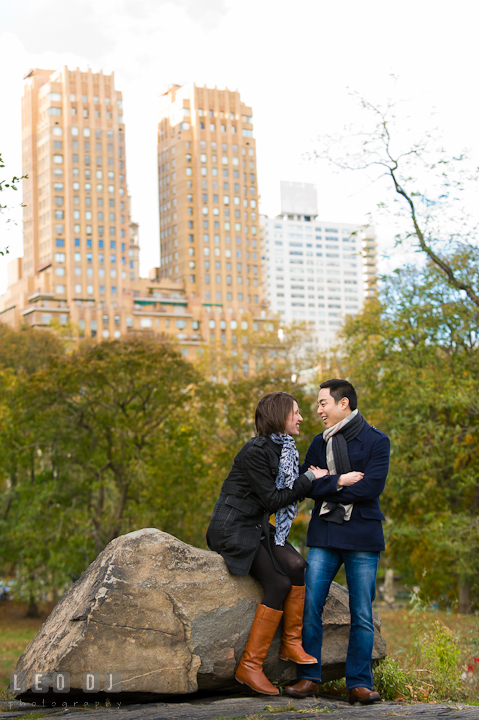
{"x":344,"y":471}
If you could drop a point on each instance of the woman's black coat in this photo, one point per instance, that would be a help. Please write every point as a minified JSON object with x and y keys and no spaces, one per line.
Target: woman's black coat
{"x":248,"y":497}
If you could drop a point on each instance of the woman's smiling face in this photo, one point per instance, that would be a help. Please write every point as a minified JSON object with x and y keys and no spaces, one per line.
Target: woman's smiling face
{"x":293,"y":421}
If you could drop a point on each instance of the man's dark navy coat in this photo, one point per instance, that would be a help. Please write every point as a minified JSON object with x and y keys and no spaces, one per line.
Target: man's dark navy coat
{"x":368,"y":453}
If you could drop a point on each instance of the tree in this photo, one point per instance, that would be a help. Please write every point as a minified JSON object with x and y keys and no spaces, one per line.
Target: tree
{"x":27,"y":351}
{"x":432,"y":189}
{"x":414,"y":355}
{"x":108,"y":439}
{"x":87,"y":442}
{"x":417,"y":348}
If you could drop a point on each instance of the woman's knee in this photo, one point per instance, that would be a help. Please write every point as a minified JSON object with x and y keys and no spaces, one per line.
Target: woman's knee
{"x":295,"y":570}
{"x":283,"y":587}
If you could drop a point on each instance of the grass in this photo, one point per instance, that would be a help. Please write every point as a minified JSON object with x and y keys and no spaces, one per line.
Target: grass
{"x":432,"y":656}
{"x":290,"y":707}
{"x":399,"y":627}
{"x":16,"y":631}
{"x":243,"y":717}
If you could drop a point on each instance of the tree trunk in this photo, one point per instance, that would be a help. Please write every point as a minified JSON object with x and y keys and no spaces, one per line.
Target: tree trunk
{"x":32,"y":611}
{"x":465,"y":604}
{"x":388,"y":593}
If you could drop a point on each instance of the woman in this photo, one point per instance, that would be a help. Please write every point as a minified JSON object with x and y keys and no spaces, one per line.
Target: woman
{"x":263,"y":480}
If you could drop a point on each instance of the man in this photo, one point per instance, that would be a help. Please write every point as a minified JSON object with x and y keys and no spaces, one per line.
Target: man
{"x":345,"y":527}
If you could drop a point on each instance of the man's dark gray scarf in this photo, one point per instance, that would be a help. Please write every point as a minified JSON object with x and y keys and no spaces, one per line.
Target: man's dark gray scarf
{"x":335,"y":511}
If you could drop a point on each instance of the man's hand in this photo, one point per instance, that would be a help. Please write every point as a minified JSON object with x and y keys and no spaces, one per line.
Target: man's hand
{"x":318,"y":472}
{"x":350,"y":478}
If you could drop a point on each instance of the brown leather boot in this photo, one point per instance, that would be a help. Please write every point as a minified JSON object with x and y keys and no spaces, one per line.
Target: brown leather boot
{"x":363,"y":695}
{"x":291,"y":645}
{"x":302,"y":689}
{"x":250,"y":670}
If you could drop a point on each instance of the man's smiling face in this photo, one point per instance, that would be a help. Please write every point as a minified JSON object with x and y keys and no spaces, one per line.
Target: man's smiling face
{"x":329,"y":411}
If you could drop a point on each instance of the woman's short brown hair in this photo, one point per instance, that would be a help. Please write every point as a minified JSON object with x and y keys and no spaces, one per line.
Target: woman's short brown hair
{"x":272,"y":412}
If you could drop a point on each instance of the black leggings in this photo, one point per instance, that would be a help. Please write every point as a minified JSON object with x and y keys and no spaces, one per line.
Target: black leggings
{"x":275,"y":585}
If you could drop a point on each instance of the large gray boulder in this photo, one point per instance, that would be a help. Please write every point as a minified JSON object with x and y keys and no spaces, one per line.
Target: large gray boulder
{"x":170,"y":619}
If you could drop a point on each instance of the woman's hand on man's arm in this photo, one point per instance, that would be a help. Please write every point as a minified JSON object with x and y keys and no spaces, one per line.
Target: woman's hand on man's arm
{"x":344,"y":480}
{"x":318,"y":472}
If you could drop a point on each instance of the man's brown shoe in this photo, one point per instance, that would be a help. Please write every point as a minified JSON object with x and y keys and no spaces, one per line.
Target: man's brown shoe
{"x":302,"y":689}
{"x":363,"y":695}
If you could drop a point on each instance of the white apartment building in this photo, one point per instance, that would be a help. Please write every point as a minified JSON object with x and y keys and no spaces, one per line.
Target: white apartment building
{"x":315,"y":270}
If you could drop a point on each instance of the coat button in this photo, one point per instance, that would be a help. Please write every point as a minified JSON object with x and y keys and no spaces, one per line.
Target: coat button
{"x":258,"y":527}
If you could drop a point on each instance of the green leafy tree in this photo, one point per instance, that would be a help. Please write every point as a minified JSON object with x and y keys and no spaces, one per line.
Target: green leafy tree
{"x":88,"y":442}
{"x":420,"y":343}
{"x":414,"y":358}
{"x":26,"y":351}
{"x":108,"y":439}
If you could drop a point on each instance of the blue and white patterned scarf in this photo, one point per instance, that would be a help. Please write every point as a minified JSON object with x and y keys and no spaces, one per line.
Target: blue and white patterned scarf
{"x":288,"y":471}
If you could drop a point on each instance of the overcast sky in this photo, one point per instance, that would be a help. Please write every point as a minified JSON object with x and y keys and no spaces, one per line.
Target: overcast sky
{"x":295,"y":63}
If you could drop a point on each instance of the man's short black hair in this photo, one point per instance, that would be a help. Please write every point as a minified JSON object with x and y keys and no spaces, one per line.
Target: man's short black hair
{"x":340,"y":389}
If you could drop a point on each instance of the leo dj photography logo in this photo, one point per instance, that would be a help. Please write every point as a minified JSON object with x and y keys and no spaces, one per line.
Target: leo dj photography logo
{"x":59,"y":682}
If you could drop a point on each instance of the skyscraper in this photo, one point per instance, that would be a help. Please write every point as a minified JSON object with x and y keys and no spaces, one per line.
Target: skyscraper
{"x":315,"y":270}
{"x":208,"y":198}
{"x":80,"y":250}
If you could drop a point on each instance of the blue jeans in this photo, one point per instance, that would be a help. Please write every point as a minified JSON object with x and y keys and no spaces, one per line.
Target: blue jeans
{"x":361,"y":568}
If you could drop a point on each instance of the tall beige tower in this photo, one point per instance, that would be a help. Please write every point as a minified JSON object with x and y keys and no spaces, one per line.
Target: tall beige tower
{"x":80,"y":252}
{"x":208,"y":198}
